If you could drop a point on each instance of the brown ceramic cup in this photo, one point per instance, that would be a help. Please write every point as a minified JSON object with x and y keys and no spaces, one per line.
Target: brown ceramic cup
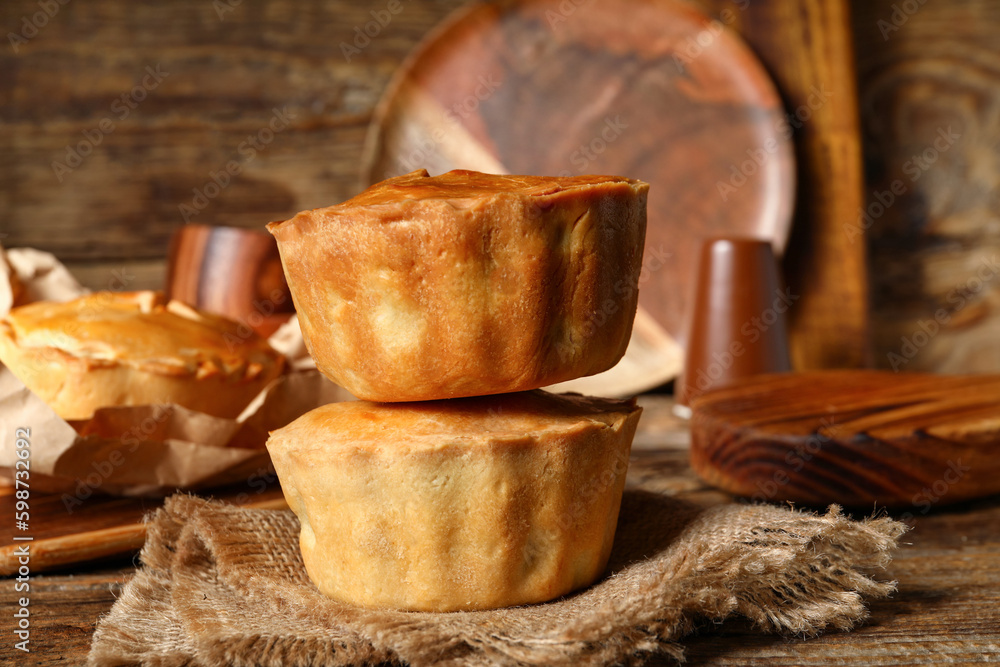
{"x":230,"y":271}
{"x":738,"y":322}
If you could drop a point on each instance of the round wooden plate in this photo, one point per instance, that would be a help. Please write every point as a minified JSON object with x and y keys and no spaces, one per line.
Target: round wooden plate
{"x":650,"y":89}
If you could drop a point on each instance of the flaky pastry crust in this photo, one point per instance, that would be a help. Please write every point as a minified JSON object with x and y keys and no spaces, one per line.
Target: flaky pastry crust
{"x":134,"y":348}
{"x":471,"y":503}
{"x":467,"y":284}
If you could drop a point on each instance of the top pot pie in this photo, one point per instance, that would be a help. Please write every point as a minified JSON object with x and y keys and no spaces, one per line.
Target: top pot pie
{"x":134,"y":348}
{"x":467,"y":284}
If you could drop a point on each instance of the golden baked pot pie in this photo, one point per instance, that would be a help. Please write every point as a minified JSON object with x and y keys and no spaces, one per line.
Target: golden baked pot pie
{"x":472,"y":503}
{"x":134,"y":348}
{"x":467,"y":284}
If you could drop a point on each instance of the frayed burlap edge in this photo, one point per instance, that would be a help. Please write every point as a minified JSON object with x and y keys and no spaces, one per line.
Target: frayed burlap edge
{"x":226,"y":586}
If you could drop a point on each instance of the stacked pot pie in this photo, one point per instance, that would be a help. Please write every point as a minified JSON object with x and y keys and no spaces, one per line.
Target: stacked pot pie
{"x":445,"y":303}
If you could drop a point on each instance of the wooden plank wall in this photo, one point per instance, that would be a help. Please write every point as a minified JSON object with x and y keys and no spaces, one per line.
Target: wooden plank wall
{"x":226,"y":67}
{"x":115,"y":116}
{"x":929,"y":73}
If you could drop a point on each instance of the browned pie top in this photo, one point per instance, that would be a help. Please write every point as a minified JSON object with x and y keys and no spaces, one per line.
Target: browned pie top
{"x":460,"y":187}
{"x":431,"y":424}
{"x":143,"y":330}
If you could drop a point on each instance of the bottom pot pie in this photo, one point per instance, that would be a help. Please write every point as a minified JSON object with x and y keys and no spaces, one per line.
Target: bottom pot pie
{"x":465,"y":284}
{"x":472,"y":503}
{"x":134,"y":348}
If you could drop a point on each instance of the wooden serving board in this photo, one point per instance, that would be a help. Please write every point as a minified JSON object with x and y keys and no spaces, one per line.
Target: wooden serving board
{"x":100,"y":527}
{"x":851,"y":437}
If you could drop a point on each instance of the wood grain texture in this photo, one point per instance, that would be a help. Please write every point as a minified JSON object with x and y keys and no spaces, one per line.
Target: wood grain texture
{"x":101,"y":527}
{"x":857,"y":438}
{"x":64,"y":611}
{"x":227,"y":74}
{"x":947,"y":608}
{"x":225,"y":77}
{"x":929,"y":81}
{"x":807,"y":47}
{"x":530,"y":87}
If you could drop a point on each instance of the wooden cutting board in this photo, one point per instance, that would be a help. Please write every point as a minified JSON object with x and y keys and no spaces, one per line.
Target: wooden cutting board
{"x":100,"y":527}
{"x":910,"y":441}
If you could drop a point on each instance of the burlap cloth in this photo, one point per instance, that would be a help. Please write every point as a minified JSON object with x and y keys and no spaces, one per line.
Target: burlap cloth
{"x":226,"y":586}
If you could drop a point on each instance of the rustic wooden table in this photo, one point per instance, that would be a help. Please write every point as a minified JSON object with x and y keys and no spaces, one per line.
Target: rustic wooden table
{"x":947,"y":608}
